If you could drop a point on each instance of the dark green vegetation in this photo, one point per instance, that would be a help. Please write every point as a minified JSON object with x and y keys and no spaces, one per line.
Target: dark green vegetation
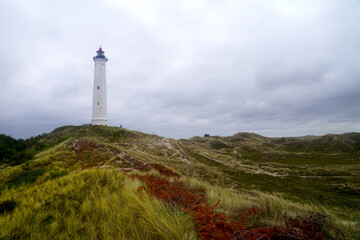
{"x":308,"y":173}
{"x":10,"y":146}
{"x":17,"y":151}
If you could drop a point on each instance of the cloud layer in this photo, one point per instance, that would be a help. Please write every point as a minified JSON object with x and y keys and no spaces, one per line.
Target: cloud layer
{"x":183,"y":68}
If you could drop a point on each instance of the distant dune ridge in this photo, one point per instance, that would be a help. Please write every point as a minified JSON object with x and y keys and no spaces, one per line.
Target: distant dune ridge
{"x":74,"y":183}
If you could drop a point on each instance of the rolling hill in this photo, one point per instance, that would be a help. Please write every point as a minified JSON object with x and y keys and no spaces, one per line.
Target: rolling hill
{"x":88,"y":182}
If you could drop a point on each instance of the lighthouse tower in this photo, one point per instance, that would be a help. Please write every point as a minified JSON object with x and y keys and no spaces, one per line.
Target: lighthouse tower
{"x":99,"y":115}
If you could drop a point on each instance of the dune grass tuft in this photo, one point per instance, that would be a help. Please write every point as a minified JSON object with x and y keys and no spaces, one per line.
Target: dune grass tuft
{"x":93,"y":204}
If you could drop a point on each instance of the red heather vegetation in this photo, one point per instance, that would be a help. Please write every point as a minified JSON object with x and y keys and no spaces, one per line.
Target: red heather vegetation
{"x":92,"y":153}
{"x":83,"y":146}
{"x":164,"y":170}
{"x":211,"y":225}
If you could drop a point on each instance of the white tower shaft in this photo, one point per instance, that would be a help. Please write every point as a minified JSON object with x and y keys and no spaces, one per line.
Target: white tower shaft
{"x":99,"y":116}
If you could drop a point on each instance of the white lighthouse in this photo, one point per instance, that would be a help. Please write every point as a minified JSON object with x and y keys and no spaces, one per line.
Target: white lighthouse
{"x":99,"y":116}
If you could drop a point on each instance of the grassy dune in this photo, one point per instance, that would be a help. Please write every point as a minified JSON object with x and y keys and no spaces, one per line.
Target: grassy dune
{"x":75,"y":184}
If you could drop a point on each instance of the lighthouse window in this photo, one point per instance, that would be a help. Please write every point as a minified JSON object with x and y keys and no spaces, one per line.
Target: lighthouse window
{"x":98,"y":87}
{"x":97,"y":103}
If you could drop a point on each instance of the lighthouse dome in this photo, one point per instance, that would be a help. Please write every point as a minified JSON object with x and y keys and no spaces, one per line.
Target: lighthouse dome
{"x":100,"y":54}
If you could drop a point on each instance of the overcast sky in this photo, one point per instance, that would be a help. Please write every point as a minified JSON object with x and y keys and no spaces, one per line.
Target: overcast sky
{"x":183,"y":68}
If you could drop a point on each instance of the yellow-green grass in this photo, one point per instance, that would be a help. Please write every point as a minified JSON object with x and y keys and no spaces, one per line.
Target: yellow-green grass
{"x":9,"y":172}
{"x":92,"y":204}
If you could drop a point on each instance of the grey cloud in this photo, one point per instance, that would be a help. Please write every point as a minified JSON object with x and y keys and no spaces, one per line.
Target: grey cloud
{"x":183,"y":68}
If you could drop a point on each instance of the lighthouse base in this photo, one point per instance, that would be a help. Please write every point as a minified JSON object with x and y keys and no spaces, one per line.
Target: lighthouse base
{"x":99,"y":121}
